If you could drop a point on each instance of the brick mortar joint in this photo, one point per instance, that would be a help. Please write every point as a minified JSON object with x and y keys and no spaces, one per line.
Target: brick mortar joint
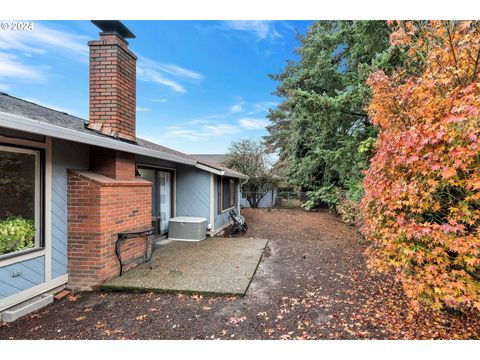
{"x":83,"y":175}
{"x":100,"y":43}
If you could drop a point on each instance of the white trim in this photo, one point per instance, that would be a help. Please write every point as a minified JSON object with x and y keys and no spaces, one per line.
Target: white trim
{"x":222,"y":211}
{"x":212,"y":202}
{"x":48,"y":210}
{"x":174,"y":185}
{"x":31,"y":254}
{"x":40,"y":127}
{"x":23,"y":142}
{"x":46,"y":249}
{"x":230,"y":208}
{"x":223,"y":227}
{"x":220,"y":172}
{"x":174,"y":192}
{"x":33,"y":291}
{"x":22,"y":123}
{"x":209,"y":169}
{"x":174,"y":210}
{"x":38,"y":199}
{"x":186,"y":240}
{"x":19,"y":150}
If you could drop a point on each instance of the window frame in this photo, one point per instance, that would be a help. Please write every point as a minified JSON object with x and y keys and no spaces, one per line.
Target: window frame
{"x":39,"y":211}
{"x":173,"y":188}
{"x":222,"y":210}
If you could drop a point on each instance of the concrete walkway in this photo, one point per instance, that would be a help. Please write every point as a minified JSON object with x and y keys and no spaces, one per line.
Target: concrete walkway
{"x":215,"y":265}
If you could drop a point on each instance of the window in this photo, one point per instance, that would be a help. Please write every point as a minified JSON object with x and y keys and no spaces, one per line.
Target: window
{"x":20,"y":200}
{"x":162,"y":197}
{"x":227,"y":193}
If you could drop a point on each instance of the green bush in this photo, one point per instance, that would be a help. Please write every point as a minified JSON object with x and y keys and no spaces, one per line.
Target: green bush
{"x":327,"y":195}
{"x":354,"y":190}
{"x":16,"y":233}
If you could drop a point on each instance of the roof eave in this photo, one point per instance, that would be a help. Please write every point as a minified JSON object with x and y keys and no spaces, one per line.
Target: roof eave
{"x":220,"y":172}
{"x":17,"y":122}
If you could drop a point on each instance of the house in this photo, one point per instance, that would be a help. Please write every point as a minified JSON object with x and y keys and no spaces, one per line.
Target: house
{"x":267,"y":199}
{"x":212,"y":158}
{"x":68,"y":185}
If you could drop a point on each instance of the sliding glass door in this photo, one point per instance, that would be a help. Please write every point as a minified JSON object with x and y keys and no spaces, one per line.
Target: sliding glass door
{"x":162,"y":197}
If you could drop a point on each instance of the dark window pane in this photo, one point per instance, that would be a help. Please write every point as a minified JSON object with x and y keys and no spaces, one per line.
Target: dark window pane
{"x":228,"y":193}
{"x":17,"y":200}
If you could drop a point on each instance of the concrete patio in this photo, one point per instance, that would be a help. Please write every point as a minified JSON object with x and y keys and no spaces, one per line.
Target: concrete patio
{"x":212,"y":266}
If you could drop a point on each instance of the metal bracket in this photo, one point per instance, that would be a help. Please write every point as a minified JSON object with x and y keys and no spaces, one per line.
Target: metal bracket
{"x":149,"y":243}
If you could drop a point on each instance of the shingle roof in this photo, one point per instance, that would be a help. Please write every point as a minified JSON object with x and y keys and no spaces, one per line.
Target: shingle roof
{"x":213,"y":158}
{"x":16,"y":106}
{"x":214,"y":165}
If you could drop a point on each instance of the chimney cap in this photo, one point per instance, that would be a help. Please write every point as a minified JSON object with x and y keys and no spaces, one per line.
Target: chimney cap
{"x":114,"y":27}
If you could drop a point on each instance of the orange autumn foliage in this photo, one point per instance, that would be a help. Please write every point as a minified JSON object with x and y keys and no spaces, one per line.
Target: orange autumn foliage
{"x":421,"y":207}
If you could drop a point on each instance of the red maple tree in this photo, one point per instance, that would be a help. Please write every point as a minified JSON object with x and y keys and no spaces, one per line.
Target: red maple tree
{"x":422,"y":190}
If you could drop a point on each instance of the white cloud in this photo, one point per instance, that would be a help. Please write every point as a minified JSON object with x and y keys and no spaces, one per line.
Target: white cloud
{"x":160,"y":100}
{"x":10,"y":67}
{"x":142,"y":109}
{"x":171,"y":69}
{"x":200,"y":121}
{"x":202,"y":132}
{"x":208,"y":119}
{"x":151,"y":75}
{"x":237,"y":108}
{"x":152,"y":71}
{"x":44,"y":39}
{"x":17,"y":48}
{"x":262,"y":29}
{"x":184,"y":133}
{"x":253,"y":123}
{"x":220,"y":129}
{"x":179,"y":71}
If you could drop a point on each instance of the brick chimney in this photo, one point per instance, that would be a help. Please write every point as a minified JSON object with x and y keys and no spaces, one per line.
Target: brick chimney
{"x":112,"y":82}
{"x":108,"y":198}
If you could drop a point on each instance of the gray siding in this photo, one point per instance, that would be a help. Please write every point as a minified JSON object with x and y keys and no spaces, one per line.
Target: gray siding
{"x":193,"y":192}
{"x":66,"y":155}
{"x":29,"y":274}
{"x":192,"y":187}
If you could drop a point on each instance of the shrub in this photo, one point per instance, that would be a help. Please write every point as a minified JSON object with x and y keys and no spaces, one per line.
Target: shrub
{"x":327,"y":195}
{"x":349,"y":211}
{"x":16,"y":234}
{"x":354,"y":190}
{"x":421,"y":206}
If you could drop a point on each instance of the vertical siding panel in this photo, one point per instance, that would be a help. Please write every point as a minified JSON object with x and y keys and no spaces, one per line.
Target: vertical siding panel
{"x":192,"y":187}
{"x":66,"y":155}
{"x":193,"y":192}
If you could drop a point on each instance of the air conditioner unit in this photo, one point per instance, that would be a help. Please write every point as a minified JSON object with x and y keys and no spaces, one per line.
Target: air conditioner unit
{"x":184,"y":228}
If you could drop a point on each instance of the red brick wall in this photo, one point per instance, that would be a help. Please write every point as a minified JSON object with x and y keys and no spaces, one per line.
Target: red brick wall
{"x":112,"y":87}
{"x":112,"y":163}
{"x":98,"y":208}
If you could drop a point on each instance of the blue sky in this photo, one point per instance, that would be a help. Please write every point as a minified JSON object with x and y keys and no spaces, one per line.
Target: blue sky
{"x":200,"y":84}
